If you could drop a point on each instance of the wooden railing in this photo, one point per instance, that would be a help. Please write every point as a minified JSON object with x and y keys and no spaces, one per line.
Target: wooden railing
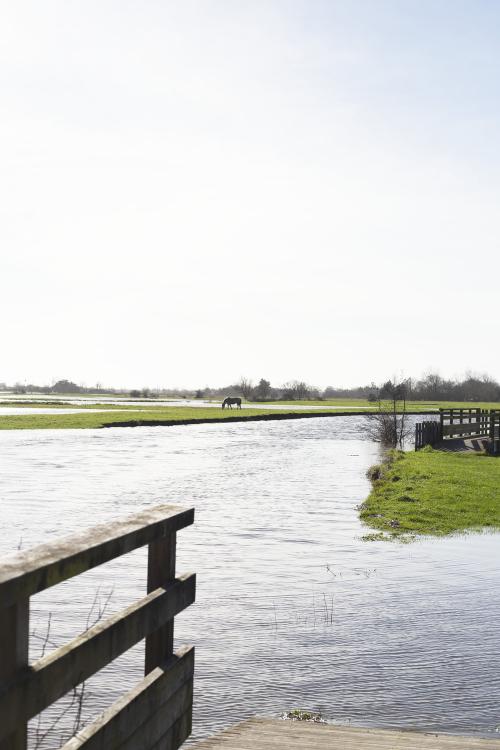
{"x":157,"y":713}
{"x":461,"y":423}
{"x":473,"y":422}
{"x":464,"y":422}
{"x":494,"y":432}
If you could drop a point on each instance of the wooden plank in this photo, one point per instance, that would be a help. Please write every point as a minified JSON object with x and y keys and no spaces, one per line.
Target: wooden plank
{"x":14,"y":650}
{"x":130,"y":712}
{"x":26,"y":573}
{"x":462,"y":429}
{"x":164,"y":721}
{"x":275,"y":734}
{"x":52,"y":676}
{"x":180,"y":731}
{"x":161,"y":571}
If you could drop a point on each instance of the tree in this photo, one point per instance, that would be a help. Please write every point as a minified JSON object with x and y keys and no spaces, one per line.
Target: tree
{"x":245,"y":387}
{"x":66,"y":386}
{"x":262,"y":391}
{"x":296,"y":390}
{"x":389,"y":425}
{"x":433,"y":386}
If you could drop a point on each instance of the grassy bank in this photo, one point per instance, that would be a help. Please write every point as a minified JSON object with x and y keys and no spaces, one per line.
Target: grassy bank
{"x":148,"y":417}
{"x":433,"y":492}
{"x":141,"y":412}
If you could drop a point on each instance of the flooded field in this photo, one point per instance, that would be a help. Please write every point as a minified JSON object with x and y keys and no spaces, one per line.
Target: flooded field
{"x":75,"y":404}
{"x":293,"y":609}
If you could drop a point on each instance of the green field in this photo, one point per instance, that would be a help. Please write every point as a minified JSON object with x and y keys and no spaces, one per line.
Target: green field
{"x":62,"y":404}
{"x":132,"y":416}
{"x":433,"y":492}
{"x":150,"y":411}
{"x":417,"y":406}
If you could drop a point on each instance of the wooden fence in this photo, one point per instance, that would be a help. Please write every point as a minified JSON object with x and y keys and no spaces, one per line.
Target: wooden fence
{"x":157,"y":713}
{"x":464,"y":423}
{"x":461,"y":423}
{"x":427,"y":433}
{"x":484,"y":423}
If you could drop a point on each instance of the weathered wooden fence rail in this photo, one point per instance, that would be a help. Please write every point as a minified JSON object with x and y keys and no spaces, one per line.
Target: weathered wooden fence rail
{"x":472,"y":423}
{"x":461,"y":423}
{"x":464,"y":422}
{"x":157,"y":713}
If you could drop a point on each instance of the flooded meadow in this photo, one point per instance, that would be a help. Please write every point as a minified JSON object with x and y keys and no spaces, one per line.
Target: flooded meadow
{"x":293,"y":609}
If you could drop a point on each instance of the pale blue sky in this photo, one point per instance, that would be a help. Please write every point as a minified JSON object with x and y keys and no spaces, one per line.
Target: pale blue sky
{"x":195,"y":191}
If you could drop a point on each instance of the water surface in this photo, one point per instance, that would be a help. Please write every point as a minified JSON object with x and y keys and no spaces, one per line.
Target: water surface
{"x":293,"y":609}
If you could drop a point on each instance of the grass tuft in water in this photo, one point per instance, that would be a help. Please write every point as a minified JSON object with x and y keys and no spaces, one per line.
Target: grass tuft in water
{"x":299,"y":714}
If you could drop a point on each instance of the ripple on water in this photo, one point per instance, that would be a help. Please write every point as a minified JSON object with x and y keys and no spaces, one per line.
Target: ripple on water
{"x":293,"y":610}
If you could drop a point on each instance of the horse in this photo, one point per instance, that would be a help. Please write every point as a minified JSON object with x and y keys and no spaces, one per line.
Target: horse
{"x":230,"y":400}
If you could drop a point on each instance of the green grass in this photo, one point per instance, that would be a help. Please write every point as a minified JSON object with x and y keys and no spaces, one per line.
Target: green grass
{"x":117,"y":412}
{"x":69,"y":405}
{"x":89,"y":420}
{"x":432,"y":492}
{"x":358,"y":404}
{"x":419,"y":406}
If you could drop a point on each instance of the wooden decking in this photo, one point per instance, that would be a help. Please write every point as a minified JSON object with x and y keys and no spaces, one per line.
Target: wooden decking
{"x":275,"y":734}
{"x":464,"y":445}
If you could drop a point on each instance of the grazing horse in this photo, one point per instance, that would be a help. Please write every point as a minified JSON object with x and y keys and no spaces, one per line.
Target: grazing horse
{"x":230,"y":400}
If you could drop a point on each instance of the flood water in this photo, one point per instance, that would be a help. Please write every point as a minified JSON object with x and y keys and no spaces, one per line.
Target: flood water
{"x":293,"y":609}
{"x":45,"y":405}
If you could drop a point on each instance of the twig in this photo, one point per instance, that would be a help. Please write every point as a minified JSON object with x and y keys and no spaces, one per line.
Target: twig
{"x":78,"y":694}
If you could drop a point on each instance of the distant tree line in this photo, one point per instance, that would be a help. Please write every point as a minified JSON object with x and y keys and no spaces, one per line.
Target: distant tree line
{"x":431,"y":387}
{"x":61,"y":386}
{"x":295,"y":390}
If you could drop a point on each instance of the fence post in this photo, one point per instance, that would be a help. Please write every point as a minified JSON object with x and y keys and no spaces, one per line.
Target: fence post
{"x":161,"y":571}
{"x":14,"y":651}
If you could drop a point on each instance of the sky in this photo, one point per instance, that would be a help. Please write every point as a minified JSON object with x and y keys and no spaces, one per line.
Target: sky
{"x":196,"y":191}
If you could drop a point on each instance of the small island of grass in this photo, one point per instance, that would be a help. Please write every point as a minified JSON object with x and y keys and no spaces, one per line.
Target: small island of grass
{"x":433,"y":493}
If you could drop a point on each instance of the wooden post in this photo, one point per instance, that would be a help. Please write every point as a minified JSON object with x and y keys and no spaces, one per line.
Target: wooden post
{"x":14,"y":651}
{"x":161,"y":571}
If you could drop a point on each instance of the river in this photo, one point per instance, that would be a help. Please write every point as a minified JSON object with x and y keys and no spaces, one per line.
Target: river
{"x":293,"y":609}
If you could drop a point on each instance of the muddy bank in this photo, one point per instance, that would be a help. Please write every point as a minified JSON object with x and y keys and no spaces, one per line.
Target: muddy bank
{"x":255,"y":418}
